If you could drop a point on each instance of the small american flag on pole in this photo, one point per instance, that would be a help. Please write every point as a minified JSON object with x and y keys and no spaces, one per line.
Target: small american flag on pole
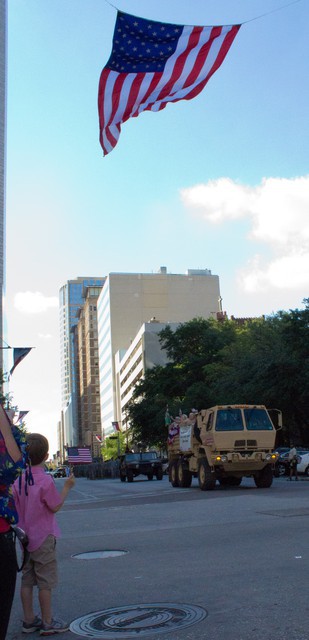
{"x":153,"y":63}
{"x":79,"y":455}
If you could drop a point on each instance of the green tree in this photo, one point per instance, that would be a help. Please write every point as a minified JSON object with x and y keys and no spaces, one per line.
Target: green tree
{"x":181,"y":384}
{"x":113,"y":446}
{"x":269,"y":364}
{"x":261,"y":361}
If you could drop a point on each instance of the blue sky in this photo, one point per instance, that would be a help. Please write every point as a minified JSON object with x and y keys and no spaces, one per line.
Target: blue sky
{"x":218,"y":182}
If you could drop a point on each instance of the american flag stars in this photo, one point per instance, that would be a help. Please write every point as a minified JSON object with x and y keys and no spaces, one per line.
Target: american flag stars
{"x":153,"y":63}
{"x":144,"y":44}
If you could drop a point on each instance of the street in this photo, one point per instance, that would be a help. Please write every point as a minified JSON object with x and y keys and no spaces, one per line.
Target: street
{"x":182,"y":564}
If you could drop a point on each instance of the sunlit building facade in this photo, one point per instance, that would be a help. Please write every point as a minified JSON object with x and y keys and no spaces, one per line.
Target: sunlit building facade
{"x":128,"y":300}
{"x":145,"y":352}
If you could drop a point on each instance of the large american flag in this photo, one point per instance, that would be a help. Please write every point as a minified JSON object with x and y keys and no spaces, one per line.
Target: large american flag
{"x":79,"y":455}
{"x":153,"y":63}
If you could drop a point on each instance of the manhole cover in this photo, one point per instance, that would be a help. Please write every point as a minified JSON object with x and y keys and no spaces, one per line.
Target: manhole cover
{"x":137,"y":621}
{"x":94,"y":555}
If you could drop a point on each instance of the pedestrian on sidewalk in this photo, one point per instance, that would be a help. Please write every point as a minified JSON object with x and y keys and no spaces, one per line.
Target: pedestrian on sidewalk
{"x":293,"y":459}
{"x":12,"y":461}
{"x":36,"y":509}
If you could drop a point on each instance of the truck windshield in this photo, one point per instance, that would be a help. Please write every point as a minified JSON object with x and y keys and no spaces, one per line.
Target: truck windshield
{"x":257,"y":420}
{"x":132,"y":457}
{"x":150,"y":455}
{"x":229,"y":420}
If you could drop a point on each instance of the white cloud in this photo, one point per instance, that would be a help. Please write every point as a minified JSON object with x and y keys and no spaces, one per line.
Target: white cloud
{"x":218,"y":200}
{"x":287,"y":272}
{"x":278,"y":210}
{"x":34,"y":302}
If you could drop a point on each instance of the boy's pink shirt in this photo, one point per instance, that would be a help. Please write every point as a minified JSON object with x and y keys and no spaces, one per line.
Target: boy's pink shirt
{"x":34,"y":509}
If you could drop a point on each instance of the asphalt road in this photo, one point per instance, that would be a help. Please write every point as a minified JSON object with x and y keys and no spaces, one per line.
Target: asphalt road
{"x":238,"y":557}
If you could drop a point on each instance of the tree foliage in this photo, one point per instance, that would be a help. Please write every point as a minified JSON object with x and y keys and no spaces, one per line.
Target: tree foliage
{"x":113,"y":446}
{"x":261,"y":361}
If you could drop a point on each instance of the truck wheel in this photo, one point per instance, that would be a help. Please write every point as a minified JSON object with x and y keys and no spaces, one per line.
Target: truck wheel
{"x":159,"y":474}
{"x":184,"y":476}
{"x":264,"y":478}
{"x":206,"y":479}
{"x":150,"y":476}
{"x":130,"y":476}
{"x":174,"y":474}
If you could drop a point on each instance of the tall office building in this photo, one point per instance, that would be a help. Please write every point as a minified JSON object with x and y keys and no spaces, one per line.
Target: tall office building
{"x":3,"y":63}
{"x":144,"y":353}
{"x":71,"y":300}
{"x":89,"y":382}
{"x":128,"y":300}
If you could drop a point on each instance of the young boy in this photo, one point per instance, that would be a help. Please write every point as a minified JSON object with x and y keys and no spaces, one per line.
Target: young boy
{"x":36,"y":508}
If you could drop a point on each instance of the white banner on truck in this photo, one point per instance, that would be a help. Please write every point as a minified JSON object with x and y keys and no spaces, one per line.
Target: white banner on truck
{"x":185,"y":438}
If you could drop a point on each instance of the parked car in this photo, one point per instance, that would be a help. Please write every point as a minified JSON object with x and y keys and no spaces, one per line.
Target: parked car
{"x":303,"y":465}
{"x":60,"y":472}
{"x":282,"y":465}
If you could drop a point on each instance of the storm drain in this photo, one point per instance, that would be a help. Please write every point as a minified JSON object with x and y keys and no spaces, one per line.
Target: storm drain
{"x":94,"y":555}
{"x":137,"y":621}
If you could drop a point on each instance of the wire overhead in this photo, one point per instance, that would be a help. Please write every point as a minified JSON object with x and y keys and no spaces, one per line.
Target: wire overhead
{"x":262,"y":15}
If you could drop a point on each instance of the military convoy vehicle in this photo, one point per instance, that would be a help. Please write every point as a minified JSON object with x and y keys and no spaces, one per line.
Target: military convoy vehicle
{"x":224,"y":443}
{"x":135,"y":464}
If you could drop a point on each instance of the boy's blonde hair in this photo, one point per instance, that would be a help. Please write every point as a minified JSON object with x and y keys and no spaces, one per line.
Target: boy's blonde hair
{"x":38,"y":448}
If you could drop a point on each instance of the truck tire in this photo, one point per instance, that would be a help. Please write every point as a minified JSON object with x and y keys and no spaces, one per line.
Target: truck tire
{"x":150,"y":475}
{"x":130,"y":475}
{"x":159,"y":474}
{"x":206,"y":479}
{"x":264,"y":478}
{"x":184,"y":476}
{"x":173,"y":472}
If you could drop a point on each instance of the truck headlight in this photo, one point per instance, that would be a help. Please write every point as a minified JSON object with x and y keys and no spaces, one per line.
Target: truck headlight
{"x":221,"y":458}
{"x":268,"y":456}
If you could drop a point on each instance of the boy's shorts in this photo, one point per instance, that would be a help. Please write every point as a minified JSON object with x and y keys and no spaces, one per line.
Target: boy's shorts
{"x":41,"y":567}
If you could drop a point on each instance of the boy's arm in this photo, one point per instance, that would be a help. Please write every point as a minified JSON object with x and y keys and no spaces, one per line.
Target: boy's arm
{"x":9,"y":440}
{"x":68,"y":485}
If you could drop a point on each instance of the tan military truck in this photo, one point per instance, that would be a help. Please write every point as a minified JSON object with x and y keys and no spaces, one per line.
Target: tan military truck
{"x":224,"y":443}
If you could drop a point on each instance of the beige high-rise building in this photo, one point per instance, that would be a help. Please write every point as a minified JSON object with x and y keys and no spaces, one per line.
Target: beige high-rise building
{"x":145,"y":352}
{"x":128,"y":300}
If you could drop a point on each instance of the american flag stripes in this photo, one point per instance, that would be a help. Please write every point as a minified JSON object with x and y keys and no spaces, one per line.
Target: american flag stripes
{"x":153,"y":63}
{"x":79,"y":455}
